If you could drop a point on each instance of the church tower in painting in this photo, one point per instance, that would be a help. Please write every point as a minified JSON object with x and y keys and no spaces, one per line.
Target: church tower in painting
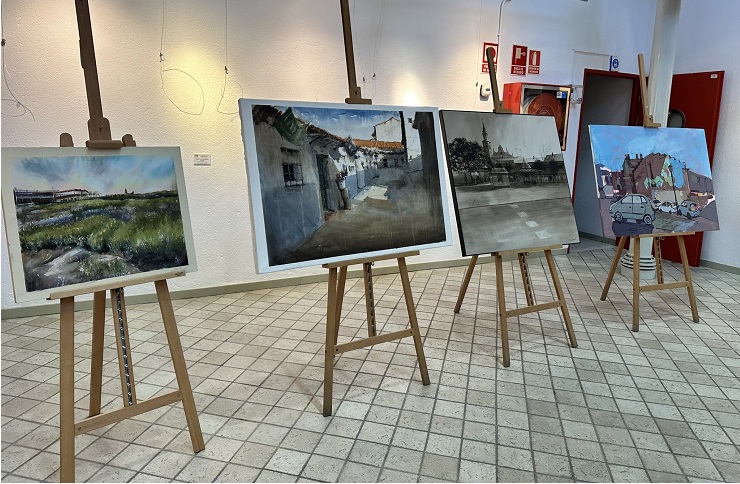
{"x":486,"y":144}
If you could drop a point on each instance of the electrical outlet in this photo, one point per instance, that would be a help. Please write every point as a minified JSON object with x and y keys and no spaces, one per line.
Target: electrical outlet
{"x":202,"y":159}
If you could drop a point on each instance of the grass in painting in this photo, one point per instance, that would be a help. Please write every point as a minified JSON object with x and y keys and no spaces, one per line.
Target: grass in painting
{"x":86,"y":240}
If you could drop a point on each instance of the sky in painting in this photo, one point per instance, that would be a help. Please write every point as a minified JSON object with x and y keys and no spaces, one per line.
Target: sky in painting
{"x":358,"y":123}
{"x":686,"y":147}
{"x":103,"y":174}
{"x":520,"y":135}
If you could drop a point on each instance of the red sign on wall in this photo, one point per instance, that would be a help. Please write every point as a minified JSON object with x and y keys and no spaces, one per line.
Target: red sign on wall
{"x":519,"y":60}
{"x":484,"y":65}
{"x":534,"y":62}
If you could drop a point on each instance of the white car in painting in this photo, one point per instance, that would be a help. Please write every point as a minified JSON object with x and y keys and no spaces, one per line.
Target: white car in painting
{"x":668,"y":207}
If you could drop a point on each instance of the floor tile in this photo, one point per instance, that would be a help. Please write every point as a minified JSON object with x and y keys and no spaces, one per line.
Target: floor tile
{"x":659,"y":405}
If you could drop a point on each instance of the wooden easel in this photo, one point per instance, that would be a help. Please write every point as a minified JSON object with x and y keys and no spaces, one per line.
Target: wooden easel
{"x":531,"y":307}
{"x":635,"y":241}
{"x":334,"y":316}
{"x":337,"y":282}
{"x":100,"y":138}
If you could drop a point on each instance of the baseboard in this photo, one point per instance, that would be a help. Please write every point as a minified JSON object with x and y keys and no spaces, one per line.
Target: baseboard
{"x":719,"y":267}
{"x":46,"y":309}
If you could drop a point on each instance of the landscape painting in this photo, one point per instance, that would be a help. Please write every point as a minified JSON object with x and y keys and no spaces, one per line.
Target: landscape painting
{"x":333,"y":182}
{"x":75,"y":216}
{"x":653,"y":180}
{"x":509,"y":182}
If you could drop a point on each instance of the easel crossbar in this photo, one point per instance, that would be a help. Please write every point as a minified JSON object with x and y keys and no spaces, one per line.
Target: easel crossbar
{"x":101,"y":420}
{"x":665,"y":285}
{"x":534,"y":309}
{"x":373,"y":340}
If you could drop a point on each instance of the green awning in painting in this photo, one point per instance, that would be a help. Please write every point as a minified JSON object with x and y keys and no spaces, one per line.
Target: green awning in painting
{"x":290,"y":128}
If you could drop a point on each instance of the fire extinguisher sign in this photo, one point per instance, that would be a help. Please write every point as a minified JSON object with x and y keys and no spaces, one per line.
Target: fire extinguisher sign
{"x":534,"y":62}
{"x":519,"y":60}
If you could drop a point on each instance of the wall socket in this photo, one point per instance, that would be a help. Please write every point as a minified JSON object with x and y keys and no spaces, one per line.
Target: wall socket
{"x":202,"y":158}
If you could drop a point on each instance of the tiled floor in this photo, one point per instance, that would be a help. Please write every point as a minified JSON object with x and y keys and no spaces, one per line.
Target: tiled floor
{"x":659,"y":405}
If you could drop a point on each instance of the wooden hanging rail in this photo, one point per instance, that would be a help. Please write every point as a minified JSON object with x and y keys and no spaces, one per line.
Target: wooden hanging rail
{"x":355,"y":92}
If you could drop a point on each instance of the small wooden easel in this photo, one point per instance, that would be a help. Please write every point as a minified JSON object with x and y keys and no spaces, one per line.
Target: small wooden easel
{"x":336,"y":284}
{"x":100,"y":138}
{"x":531,"y":307}
{"x":635,"y":241}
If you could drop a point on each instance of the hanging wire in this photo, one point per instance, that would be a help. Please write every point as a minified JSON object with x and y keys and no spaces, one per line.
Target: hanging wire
{"x":378,"y":38}
{"x":14,"y":98}
{"x":358,"y":53}
{"x":226,"y":62}
{"x":162,"y":70}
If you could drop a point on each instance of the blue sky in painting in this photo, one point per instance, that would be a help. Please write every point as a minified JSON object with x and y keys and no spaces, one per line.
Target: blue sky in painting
{"x":357,"y":123}
{"x":687,"y":147}
{"x":104,"y":174}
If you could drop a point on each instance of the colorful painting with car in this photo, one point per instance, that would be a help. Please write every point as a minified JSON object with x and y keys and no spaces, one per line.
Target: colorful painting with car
{"x":656,"y":180}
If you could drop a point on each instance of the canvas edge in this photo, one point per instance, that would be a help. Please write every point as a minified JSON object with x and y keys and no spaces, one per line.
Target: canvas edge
{"x":20,"y":294}
{"x":258,"y":231}
{"x":451,"y":178}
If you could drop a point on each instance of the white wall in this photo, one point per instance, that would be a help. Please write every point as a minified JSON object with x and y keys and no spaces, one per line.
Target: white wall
{"x":425,"y":52}
{"x":710,"y":41}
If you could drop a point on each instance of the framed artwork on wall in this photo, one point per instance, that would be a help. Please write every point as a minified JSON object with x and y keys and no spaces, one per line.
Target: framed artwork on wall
{"x":509,"y":181}
{"x":75,"y":216}
{"x":333,"y":182}
{"x":653,"y":180}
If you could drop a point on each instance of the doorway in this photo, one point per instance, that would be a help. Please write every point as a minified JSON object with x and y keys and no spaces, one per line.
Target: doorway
{"x":610,"y":98}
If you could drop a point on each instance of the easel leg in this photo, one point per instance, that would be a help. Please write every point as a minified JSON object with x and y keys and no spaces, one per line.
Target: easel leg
{"x":561,"y":297}
{"x":367,"y":275}
{"x":67,"y":389}
{"x":466,"y":282}
{"x":411,"y":308}
{"x":331,"y":306}
{"x":613,"y":268}
{"x":96,"y":362}
{"x":687,"y":276}
{"x":125,"y":363}
{"x":526,"y":281}
{"x":636,"y":285}
{"x":178,"y":361}
{"x":502,"y":308}
{"x":340,"y":299}
{"x":658,"y":264}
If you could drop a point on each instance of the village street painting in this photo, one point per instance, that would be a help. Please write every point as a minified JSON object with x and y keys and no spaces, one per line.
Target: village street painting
{"x":331,"y":182}
{"x":509,"y":182}
{"x":653,"y":180}
{"x":73,"y":217}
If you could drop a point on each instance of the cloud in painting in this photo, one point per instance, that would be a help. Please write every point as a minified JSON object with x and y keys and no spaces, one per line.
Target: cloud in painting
{"x":104,"y":174}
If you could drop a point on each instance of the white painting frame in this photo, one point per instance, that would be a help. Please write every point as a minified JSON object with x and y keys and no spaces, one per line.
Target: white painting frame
{"x":10,"y":156}
{"x":259,"y":232}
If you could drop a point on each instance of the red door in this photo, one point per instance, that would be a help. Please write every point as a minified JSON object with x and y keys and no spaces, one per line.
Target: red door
{"x":695,"y":100}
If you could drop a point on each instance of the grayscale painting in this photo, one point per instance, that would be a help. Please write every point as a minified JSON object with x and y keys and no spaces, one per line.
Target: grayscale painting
{"x":653,"y":180}
{"x":75,"y":217}
{"x":509,"y":182}
{"x":332,"y":182}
